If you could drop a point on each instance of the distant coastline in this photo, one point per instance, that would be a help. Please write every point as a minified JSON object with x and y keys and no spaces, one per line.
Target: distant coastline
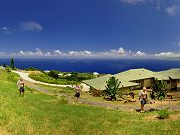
{"x":173,"y":58}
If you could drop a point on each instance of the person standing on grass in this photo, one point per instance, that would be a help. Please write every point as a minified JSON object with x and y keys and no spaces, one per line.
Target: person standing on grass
{"x":78,"y":90}
{"x":21,"y":85}
{"x":143,"y":98}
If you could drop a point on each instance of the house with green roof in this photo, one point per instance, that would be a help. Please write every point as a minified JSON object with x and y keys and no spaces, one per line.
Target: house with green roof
{"x":137,"y":78}
{"x":171,"y":77}
{"x":142,"y":76}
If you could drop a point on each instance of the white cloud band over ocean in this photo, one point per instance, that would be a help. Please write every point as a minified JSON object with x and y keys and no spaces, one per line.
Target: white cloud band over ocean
{"x":113,"y":53}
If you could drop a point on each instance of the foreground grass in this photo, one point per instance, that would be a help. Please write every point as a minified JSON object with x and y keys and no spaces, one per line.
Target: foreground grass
{"x":66,"y":90}
{"x":40,"y":114}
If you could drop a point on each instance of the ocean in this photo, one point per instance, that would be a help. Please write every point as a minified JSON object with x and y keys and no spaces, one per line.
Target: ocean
{"x":110,"y":66}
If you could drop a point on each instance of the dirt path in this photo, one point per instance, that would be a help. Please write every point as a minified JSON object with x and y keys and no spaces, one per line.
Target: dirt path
{"x":71,"y":99}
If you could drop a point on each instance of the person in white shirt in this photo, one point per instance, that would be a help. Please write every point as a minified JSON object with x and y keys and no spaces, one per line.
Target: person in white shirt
{"x":142,"y":98}
{"x":21,"y":85}
{"x":78,"y":91}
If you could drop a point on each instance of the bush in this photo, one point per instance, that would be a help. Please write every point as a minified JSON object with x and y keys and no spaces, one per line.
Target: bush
{"x":164,"y":113}
{"x":53,"y":73}
{"x":31,"y":69}
{"x":42,"y":77}
{"x":8,"y":69}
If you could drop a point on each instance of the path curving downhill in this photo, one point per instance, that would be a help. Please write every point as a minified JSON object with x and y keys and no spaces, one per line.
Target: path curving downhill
{"x":26,"y":77}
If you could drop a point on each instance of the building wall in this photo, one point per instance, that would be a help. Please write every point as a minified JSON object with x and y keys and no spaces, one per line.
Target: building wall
{"x":144,"y":83}
{"x":173,"y":84}
{"x":147,"y":82}
{"x":178,"y":84}
{"x":85,"y":87}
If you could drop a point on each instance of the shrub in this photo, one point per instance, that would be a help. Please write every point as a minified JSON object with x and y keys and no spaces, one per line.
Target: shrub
{"x":12,"y":77}
{"x":96,"y":93}
{"x":164,"y":113}
{"x":31,"y":69}
{"x":53,"y":73}
{"x":8,"y":69}
{"x":42,"y":77}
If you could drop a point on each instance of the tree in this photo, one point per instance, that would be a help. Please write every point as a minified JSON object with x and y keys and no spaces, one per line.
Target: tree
{"x":4,"y":65}
{"x":112,"y":88}
{"x":12,"y":63}
{"x":54,"y":74}
{"x":159,"y":90}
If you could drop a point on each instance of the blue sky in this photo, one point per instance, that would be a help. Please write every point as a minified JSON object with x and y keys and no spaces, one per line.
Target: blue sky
{"x":90,"y":27}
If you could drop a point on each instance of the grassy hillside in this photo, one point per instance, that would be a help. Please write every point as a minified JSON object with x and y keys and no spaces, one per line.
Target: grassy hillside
{"x":40,"y":114}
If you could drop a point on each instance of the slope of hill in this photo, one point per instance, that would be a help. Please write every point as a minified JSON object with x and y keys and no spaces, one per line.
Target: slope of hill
{"x":40,"y":114}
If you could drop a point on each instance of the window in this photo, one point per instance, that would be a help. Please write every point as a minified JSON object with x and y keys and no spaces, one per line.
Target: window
{"x":138,"y":81}
{"x":168,"y":82}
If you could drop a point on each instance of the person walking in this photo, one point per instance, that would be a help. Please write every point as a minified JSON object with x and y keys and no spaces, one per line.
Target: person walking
{"x":21,"y":85}
{"x":143,"y":98}
{"x":78,"y":90}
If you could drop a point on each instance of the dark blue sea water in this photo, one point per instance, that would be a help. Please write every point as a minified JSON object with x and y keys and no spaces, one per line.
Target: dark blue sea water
{"x":111,"y":66}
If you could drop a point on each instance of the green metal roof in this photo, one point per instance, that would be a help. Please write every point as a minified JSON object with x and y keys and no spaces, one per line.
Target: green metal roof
{"x":167,"y":74}
{"x":135,"y":74}
{"x":100,"y":82}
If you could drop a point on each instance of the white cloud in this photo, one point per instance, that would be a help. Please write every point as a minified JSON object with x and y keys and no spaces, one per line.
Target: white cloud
{"x":30,"y":26}
{"x":87,"y":52}
{"x":139,"y":53}
{"x":172,"y":10}
{"x":57,"y":53}
{"x":118,"y":53}
{"x":38,"y":52}
{"x":72,"y":52}
{"x":6,"y":30}
{"x":48,"y":54}
{"x":121,"y":51}
{"x":133,"y":1}
{"x":167,"y":54}
{"x":26,"y":53}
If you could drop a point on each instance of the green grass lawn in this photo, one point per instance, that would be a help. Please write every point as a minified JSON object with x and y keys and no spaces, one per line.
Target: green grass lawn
{"x":40,"y":114}
{"x":66,"y":90}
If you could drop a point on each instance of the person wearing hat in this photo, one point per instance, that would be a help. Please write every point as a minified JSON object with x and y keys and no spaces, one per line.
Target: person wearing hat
{"x":21,"y":85}
{"x":143,"y":97}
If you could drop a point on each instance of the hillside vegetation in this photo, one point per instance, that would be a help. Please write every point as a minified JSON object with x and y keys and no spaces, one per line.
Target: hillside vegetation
{"x":40,"y":114}
{"x":53,"y":78}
